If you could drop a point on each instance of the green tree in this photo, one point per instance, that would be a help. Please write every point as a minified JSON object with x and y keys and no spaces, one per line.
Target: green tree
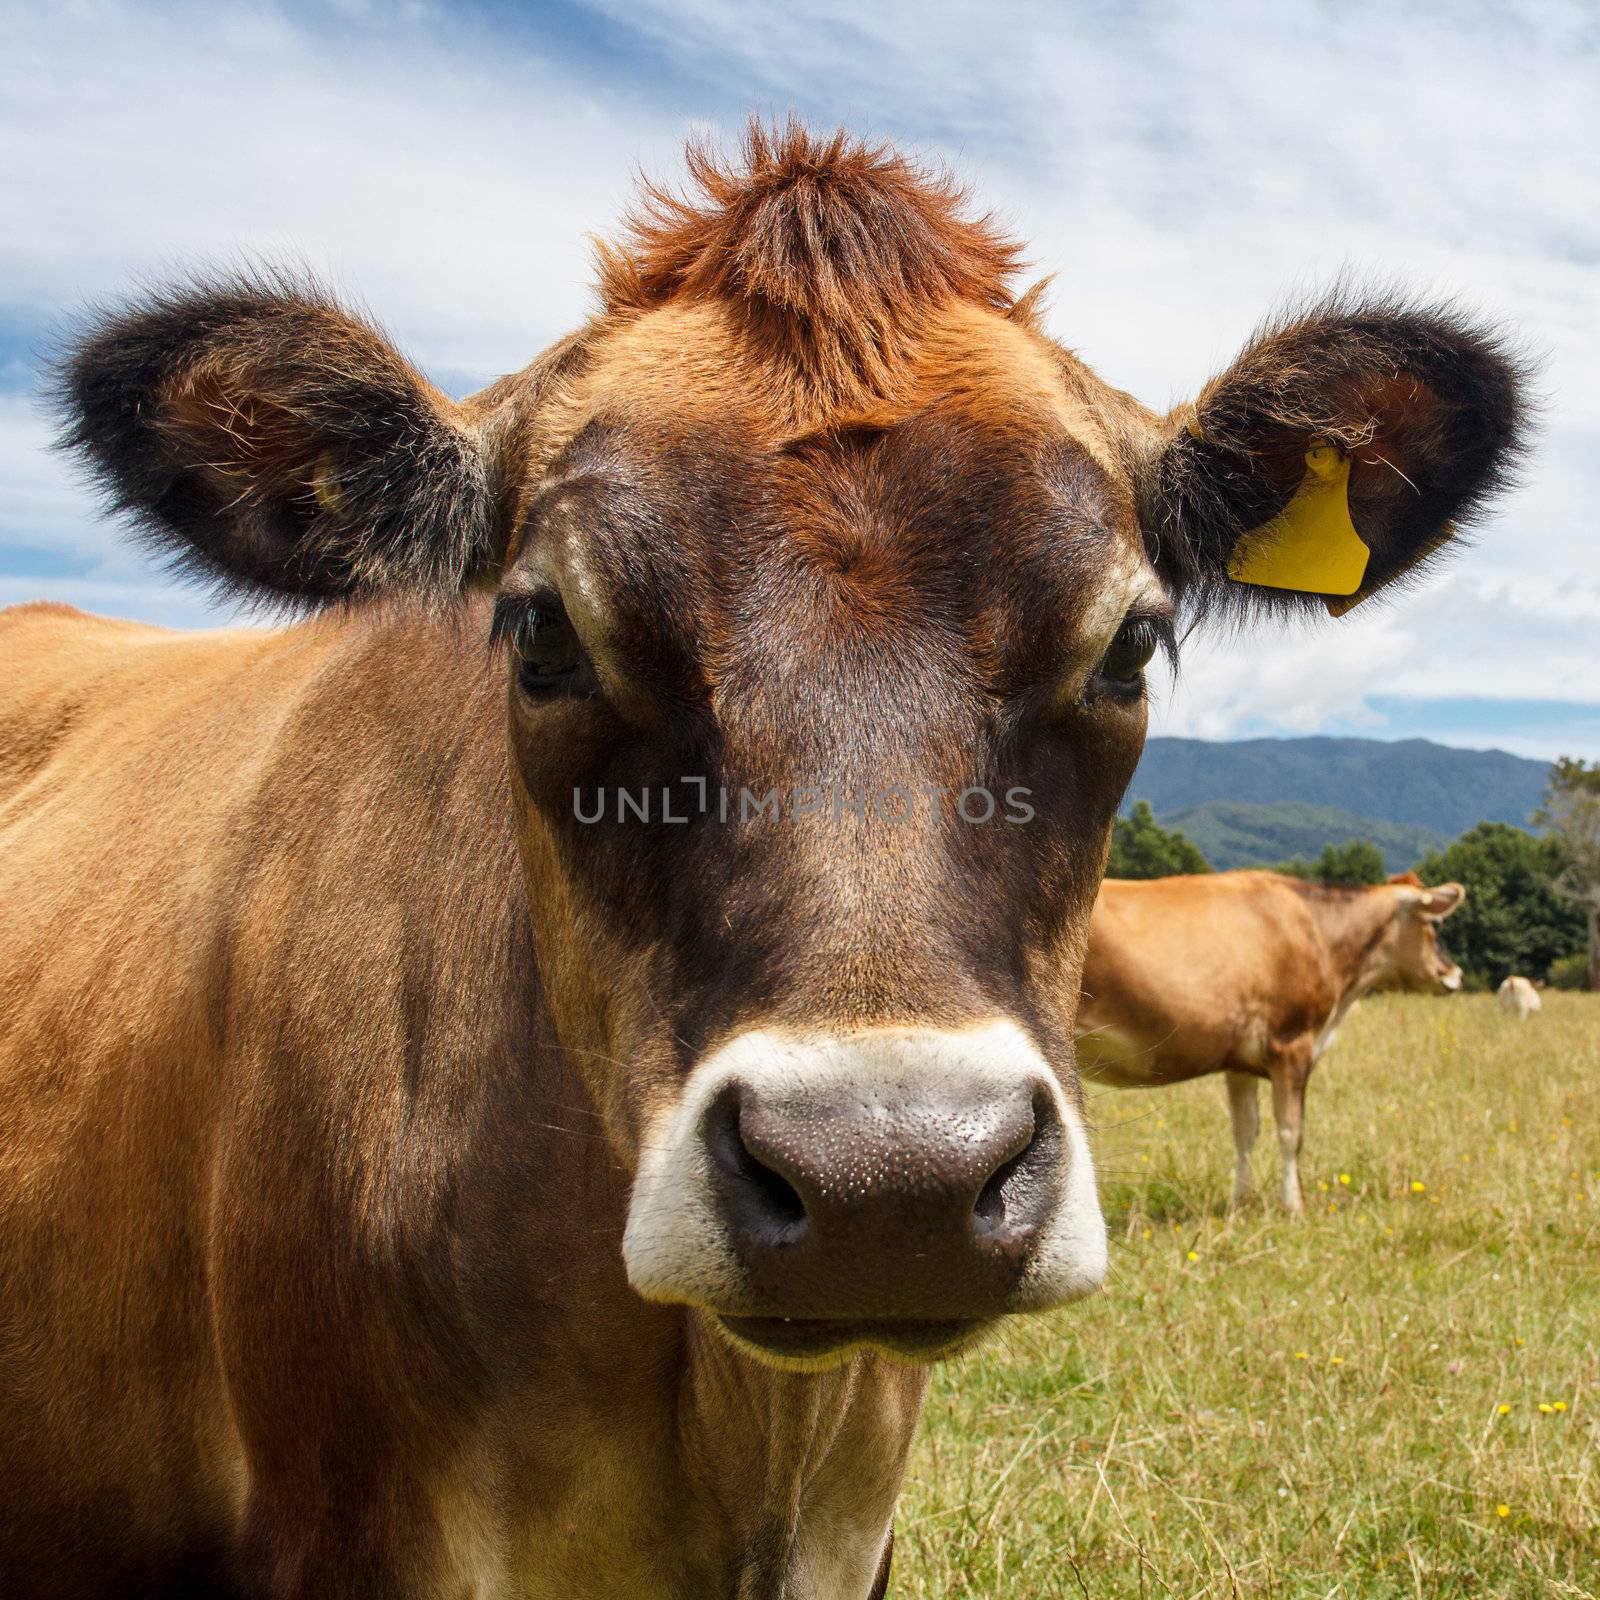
{"x":1513,"y":920}
{"x":1359,"y":861}
{"x":1571,"y":816}
{"x":1142,"y":848}
{"x":1295,"y":867}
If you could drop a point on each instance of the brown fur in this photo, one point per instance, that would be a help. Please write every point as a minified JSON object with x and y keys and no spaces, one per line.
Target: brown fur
{"x":830,"y":252}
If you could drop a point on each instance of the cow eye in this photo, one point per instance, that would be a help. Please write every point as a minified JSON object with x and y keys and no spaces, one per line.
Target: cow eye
{"x":1121,"y":670}
{"x":548,"y":653}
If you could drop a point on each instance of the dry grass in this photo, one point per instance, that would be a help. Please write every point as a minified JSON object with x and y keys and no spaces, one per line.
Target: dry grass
{"x":1398,"y":1396}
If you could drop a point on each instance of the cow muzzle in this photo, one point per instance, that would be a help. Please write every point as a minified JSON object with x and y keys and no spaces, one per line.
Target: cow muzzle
{"x":897,"y":1188}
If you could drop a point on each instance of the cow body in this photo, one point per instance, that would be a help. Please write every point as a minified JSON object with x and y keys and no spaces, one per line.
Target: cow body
{"x":1518,"y":998}
{"x":1249,"y":974}
{"x":505,"y":1084}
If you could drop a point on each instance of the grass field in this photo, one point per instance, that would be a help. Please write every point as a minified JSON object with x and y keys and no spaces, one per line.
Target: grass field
{"x":1397,"y":1396}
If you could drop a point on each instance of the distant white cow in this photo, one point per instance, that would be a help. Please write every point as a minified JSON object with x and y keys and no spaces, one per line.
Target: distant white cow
{"x":1518,"y":998}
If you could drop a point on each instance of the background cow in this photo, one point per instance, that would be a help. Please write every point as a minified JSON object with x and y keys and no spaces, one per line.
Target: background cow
{"x":419,"y":1182}
{"x":1248,"y":973}
{"x":1518,"y":998}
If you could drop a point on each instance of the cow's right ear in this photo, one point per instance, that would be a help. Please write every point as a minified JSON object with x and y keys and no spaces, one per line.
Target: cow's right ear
{"x":274,"y":443}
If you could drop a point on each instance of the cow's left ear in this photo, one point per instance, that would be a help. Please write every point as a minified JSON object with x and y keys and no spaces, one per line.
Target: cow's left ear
{"x":1437,"y":902}
{"x":1339,"y":452}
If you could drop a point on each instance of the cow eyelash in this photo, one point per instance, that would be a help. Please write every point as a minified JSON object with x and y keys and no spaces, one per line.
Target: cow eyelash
{"x":1121,"y":670}
{"x":549,"y":655}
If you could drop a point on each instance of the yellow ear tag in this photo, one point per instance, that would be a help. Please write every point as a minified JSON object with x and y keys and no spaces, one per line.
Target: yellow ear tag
{"x":1311,"y":545}
{"x":325,"y":484}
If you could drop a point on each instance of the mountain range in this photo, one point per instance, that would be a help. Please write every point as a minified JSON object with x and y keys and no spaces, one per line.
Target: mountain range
{"x":1254,"y":802}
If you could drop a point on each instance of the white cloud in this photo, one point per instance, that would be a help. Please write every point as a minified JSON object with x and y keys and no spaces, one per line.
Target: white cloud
{"x":1182,"y":168}
{"x":1280,"y":680}
{"x":42,"y":506}
{"x":449,"y":185}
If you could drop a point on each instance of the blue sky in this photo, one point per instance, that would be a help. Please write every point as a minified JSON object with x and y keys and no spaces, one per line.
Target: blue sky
{"x":1181,"y":169}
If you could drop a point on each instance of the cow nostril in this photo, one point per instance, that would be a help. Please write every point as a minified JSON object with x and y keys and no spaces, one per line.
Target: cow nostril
{"x":763,"y":1197}
{"x":778,"y":1194}
{"x":990,"y":1209}
{"x":1010,"y":1200}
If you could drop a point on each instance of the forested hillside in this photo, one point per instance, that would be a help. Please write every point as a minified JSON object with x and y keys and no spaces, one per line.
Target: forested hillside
{"x":1238,"y":833}
{"x":1409,"y":781}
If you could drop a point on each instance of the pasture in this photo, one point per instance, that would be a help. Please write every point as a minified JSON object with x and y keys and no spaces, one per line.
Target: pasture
{"x":1397,"y":1397}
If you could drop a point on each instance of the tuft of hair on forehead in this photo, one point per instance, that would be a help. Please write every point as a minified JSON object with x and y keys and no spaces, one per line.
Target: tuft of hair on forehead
{"x":829,"y":252}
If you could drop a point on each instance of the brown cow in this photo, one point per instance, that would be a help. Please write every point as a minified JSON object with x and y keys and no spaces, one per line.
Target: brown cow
{"x":1248,"y":973}
{"x":506,"y":1082}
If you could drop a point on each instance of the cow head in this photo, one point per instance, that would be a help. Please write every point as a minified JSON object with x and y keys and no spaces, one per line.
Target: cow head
{"x":1412,"y":955}
{"x":825,"y":585}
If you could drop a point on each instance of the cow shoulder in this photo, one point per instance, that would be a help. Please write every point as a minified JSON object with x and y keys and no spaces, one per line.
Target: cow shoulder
{"x":1306,"y":972}
{"x":78,"y":691}
{"x":49,"y":657}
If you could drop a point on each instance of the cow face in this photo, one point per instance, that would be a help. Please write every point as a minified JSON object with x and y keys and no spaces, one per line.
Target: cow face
{"x":888,"y":678}
{"x":825,"y":585}
{"x":1414,"y":957}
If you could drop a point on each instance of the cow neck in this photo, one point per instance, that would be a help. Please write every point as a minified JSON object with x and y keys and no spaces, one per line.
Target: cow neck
{"x":802,"y":1468}
{"x":1352,"y":923}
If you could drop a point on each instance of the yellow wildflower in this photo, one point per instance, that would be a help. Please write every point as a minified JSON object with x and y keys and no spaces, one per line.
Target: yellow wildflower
{"x":1502,"y":1510}
{"x":1503,"y":1410}
{"x":1344,"y":1178}
{"x":1418,"y":1186}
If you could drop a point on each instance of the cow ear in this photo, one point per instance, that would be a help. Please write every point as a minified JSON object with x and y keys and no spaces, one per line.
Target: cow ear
{"x":270,"y":441}
{"x":1435,"y":903}
{"x":1342,"y":450}
{"x":1441,"y":900}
